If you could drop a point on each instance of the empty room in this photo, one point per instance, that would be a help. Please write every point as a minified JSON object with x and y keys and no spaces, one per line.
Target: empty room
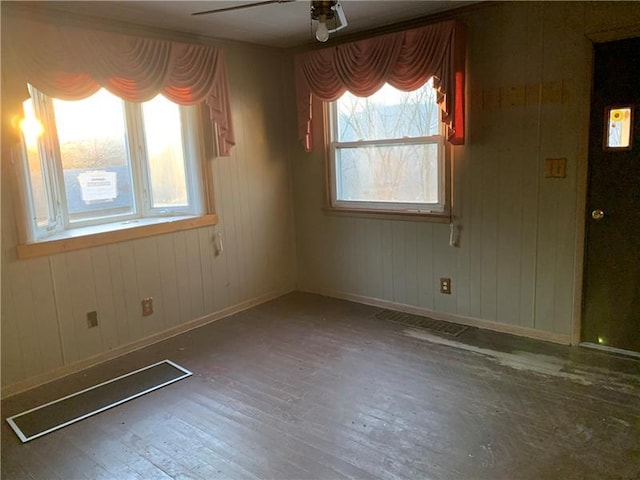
{"x":320,"y":240}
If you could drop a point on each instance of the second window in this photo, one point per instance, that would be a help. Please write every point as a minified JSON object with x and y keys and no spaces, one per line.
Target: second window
{"x":387,"y":152}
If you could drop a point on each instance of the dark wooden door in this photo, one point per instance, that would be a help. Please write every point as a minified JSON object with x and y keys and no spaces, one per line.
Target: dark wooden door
{"x":611,"y":295}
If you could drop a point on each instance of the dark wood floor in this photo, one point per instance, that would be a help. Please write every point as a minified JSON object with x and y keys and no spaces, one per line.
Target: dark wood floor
{"x":311,"y":387}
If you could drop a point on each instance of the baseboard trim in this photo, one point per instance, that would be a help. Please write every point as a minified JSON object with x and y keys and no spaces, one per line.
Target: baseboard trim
{"x":447,"y":317}
{"x":58,"y":373}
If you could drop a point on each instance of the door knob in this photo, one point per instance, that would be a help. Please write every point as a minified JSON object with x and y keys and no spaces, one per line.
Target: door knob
{"x":597,"y":214}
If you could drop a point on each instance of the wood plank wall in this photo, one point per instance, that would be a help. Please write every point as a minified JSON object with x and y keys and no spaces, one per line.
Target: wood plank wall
{"x":528,"y":84}
{"x":517,"y":261}
{"x":45,"y":300}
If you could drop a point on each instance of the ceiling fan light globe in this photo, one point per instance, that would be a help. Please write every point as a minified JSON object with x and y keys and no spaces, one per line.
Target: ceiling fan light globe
{"x":322,"y":32}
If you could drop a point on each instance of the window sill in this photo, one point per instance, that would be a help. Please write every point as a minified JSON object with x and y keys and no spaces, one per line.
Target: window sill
{"x":390,"y":215}
{"x":88,"y":237}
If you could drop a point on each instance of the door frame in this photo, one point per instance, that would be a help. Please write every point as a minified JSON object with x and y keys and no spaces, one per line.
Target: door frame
{"x":582,"y":176}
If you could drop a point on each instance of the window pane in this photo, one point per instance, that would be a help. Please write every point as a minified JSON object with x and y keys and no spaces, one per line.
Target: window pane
{"x":95,"y":163}
{"x":619,"y":132}
{"x":163,"y":133}
{"x":31,"y":131}
{"x":388,"y":113}
{"x":397,"y":173}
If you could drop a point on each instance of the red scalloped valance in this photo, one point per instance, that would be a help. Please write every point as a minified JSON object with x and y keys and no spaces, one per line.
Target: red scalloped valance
{"x":405,"y":60}
{"x":73,"y":63}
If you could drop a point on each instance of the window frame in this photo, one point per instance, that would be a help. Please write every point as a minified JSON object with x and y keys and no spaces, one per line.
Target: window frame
{"x":401,"y":210}
{"x":61,"y":234}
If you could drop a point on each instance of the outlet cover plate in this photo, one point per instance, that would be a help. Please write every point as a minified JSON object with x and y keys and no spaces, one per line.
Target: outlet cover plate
{"x":445,"y":286}
{"x":147,"y":306}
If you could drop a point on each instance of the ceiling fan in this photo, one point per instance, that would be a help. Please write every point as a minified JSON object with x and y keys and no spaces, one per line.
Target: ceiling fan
{"x":327,"y":13}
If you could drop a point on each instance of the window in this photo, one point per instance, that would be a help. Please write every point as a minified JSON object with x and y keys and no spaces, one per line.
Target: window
{"x":387,"y":152}
{"x":105,"y":162}
{"x":618,"y":134}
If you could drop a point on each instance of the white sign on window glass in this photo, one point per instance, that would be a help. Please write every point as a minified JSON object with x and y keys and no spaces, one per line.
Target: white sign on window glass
{"x":98,"y":186}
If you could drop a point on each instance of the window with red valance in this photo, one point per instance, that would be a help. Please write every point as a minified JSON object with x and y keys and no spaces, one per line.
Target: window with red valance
{"x":120,"y":145}
{"x":72,"y":63}
{"x":406,"y":60}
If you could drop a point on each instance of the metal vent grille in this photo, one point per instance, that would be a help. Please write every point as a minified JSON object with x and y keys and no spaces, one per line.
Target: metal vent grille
{"x":417,"y":321}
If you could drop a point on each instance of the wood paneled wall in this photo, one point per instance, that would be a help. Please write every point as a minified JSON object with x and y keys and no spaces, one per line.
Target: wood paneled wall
{"x":45,"y":300}
{"x":529,"y":68}
{"x":517,"y":262}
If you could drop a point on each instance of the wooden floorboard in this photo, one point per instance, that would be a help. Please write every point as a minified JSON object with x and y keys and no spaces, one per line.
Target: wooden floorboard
{"x":308,"y":387}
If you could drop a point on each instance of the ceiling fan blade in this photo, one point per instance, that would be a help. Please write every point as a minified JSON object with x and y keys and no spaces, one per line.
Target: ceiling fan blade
{"x":240,"y":7}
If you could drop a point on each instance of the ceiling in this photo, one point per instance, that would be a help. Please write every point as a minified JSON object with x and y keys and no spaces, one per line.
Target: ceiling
{"x":280,"y":25}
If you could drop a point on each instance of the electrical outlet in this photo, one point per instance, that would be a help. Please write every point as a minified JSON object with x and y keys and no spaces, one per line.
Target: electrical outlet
{"x":445,"y":286}
{"x":92,"y":319}
{"x":147,"y":306}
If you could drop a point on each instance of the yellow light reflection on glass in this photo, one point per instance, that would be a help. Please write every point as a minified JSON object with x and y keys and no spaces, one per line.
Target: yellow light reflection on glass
{"x":619,"y":128}
{"x":30,"y":125}
{"x":163,"y":132}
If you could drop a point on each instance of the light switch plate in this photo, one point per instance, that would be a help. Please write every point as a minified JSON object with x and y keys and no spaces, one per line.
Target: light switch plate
{"x":555,"y":168}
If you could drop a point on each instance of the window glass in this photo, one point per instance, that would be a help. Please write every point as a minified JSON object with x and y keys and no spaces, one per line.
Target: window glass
{"x":619,"y":128}
{"x":32,"y":130}
{"x":163,"y":133}
{"x":394,"y":173}
{"x":93,"y":151}
{"x":387,"y":151}
{"x":388,"y":113}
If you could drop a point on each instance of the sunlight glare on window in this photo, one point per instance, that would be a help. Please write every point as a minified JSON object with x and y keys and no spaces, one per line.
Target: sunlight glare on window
{"x":163,"y":134}
{"x":84,"y":120}
{"x":93,"y":150}
{"x":31,"y":130}
{"x":30,"y":125}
